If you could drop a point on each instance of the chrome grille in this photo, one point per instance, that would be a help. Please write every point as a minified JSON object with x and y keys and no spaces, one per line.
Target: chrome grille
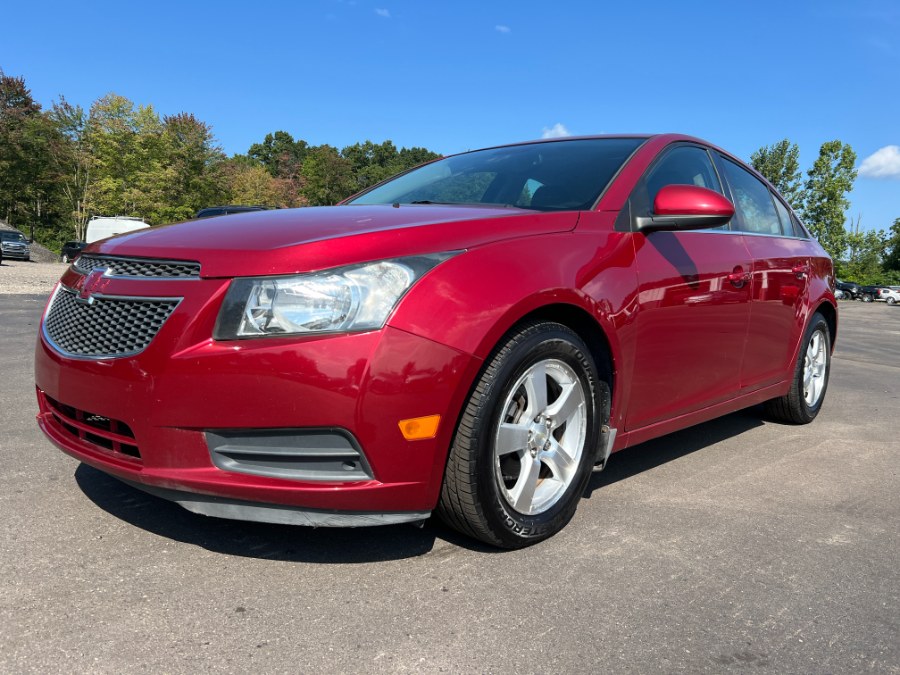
{"x":139,"y":267}
{"x":108,"y":327}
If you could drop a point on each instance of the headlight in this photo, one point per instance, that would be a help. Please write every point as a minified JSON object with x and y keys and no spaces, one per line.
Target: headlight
{"x":354,"y":298}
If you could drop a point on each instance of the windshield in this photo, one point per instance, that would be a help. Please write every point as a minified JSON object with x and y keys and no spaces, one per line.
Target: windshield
{"x":558,"y":176}
{"x":12,"y":236}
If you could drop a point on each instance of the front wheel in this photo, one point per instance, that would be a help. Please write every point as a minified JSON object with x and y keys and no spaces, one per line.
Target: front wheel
{"x":527,"y":440}
{"x":804,"y":400}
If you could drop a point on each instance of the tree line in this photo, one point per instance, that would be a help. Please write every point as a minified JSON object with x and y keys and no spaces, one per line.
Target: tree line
{"x":864,"y":256}
{"x":60,"y":166}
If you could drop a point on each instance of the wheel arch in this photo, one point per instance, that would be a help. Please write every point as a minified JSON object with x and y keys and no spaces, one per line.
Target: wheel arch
{"x":827,"y":310}
{"x":585,"y":326}
{"x":574,"y":317}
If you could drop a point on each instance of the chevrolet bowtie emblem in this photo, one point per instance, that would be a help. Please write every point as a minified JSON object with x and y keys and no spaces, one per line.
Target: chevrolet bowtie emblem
{"x":91,"y":282}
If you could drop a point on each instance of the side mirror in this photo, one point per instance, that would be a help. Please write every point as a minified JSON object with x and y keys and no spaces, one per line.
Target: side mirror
{"x":686,"y":207}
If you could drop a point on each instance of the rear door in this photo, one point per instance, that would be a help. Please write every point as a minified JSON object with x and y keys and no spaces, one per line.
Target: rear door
{"x":693,"y":302}
{"x":780,"y":273}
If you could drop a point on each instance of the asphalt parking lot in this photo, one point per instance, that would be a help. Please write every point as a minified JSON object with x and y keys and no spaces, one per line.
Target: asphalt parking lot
{"x":738,"y":544}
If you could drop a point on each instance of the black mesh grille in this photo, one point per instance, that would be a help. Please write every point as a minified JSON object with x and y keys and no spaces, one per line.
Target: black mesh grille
{"x":136,"y":267}
{"x":106,"y":328}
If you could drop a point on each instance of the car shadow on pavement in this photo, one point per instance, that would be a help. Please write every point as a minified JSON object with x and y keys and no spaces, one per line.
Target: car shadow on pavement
{"x":365,"y":544}
{"x":649,"y":455}
{"x":255,"y":540}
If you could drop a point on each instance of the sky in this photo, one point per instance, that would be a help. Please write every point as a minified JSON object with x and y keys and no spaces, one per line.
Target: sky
{"x":453,"y":76}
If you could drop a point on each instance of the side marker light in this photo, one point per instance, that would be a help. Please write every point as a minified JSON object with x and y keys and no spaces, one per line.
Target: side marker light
{"x":420,"y":428}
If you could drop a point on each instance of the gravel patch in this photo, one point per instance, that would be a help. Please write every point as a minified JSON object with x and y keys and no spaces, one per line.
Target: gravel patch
{"x":18,"y":277}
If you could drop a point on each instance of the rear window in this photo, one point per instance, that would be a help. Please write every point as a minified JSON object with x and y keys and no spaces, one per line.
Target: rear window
{"x":556,"y":176}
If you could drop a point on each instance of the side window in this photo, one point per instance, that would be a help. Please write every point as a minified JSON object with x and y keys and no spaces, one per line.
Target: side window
{"x":753,"y":202}
{"x":798,"y":228}
{"x":684,"y":165}
{"x":783,"y":216}
{"x":531,"y":186}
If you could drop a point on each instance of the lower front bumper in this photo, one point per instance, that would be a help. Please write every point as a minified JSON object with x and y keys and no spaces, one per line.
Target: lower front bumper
{"x":233,"y":509}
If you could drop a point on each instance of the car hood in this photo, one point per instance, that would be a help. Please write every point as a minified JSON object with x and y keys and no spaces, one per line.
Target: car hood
{"x":300,"y":240}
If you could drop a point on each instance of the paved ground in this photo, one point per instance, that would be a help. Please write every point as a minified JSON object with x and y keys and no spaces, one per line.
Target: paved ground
{"x":736,"y":545}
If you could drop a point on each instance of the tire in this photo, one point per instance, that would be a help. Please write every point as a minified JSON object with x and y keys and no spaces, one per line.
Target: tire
{"x":867,"y":297}
{"x":65,"y":259}
{"x":527,"y":440}
{"x":890,"y":301}
{"x":803,"y":402}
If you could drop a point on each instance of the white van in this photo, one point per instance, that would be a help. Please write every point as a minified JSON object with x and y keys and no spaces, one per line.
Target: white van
{"x":101,"y":227}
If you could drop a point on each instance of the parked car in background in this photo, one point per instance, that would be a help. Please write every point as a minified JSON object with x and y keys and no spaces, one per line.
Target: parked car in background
{"x":849,"y":289}
{"x":889,"y":295}
{"x":473,"y":337}
{"x":71,"y":250}
{"x":103,"y":227}
{"x":212,"y":211}
{"x":870,"y":293}
{"x":14,"y":245}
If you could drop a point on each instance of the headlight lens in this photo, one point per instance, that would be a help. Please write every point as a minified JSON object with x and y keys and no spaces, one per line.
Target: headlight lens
{"x":356,"y":298}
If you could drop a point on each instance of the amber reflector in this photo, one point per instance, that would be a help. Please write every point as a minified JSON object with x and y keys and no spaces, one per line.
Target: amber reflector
{"x":420,"y":428}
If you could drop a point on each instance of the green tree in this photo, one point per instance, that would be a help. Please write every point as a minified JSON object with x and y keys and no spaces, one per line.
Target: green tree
{"x":71,"y":163}
{"x":280,"y":154}
{"x":780,"y":165}
{"x":827,"y":185}
{"x":248,"y":182}
{"x":26,"y":186}
{"x":865,"y":249}
{"x":190,"y":160}
{"x":892,"y":250}
{"x":328,"y":176}
{"x":374,"y":162}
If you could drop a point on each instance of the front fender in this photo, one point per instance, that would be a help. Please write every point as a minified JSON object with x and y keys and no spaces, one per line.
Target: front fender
{"x":471,"y":301}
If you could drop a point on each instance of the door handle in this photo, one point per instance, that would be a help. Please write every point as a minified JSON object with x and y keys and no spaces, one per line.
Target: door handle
{"x":800,"y":271}
{"x":738,"y":277}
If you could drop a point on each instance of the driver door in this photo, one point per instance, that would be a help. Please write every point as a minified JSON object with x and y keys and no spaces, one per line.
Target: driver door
{"x":693,"y":302}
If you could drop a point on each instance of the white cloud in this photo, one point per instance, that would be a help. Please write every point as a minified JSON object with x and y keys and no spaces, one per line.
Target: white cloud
{"x":884,"y":163}
{"x":556,"y":131}
{"x":503,"y":29}
{"x":383,"y":13}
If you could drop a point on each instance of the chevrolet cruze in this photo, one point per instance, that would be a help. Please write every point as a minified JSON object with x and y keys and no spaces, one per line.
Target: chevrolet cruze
{"x":473,"y":337}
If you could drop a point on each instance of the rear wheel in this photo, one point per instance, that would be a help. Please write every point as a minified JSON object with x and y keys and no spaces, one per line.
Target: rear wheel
{"x":526,"y":443}
{"x":804,"y":400}
{"x":890,"y":300}
{"x":867,"y":297}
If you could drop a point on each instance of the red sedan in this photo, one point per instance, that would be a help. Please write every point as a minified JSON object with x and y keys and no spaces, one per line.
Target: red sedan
{"x":475,"y":337}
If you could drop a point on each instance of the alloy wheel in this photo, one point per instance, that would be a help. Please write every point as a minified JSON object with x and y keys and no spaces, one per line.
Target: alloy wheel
{"x":814,"y":366}
{"x":539,"y":442}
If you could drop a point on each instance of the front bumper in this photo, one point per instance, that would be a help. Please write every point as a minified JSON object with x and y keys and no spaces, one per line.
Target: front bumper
{"x":160,"y":405}
{"x":17,"y":254}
